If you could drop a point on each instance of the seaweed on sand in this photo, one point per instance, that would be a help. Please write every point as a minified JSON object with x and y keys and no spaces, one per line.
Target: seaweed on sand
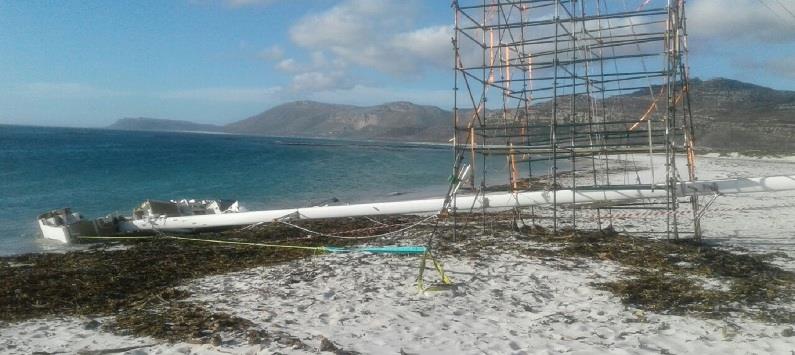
{"x":103,"y":282}
{"x":140,"y":279}
{"x":667,"y":275}
{"x":176,"y":320}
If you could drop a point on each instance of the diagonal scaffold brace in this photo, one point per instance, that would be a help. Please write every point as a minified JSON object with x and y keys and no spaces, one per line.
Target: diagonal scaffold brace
{"x":460,"y":174}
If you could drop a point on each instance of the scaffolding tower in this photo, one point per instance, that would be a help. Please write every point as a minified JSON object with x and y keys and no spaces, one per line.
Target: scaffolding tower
{"x":571,"y":94}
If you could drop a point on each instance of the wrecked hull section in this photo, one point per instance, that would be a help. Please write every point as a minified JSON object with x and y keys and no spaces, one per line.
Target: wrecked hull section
{"x":188,"y":216}
{"x":66,"y":226}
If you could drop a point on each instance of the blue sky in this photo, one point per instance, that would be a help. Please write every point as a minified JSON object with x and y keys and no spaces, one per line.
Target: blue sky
{"x":88,"y":63}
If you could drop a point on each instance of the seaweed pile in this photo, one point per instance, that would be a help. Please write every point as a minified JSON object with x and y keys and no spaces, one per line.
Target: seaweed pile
{"x":682,"y":277}
{"x":668,"y":276}
{"x":137,"y":283}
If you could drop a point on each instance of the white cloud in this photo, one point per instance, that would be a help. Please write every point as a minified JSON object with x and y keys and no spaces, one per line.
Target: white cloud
{"x":319,"y":59}
{"x":376,"y":34}
{"x":273,"y":53}
{"x":319,"y":81}
{"x":288,"y":65}
{"x":234,"y":95}
{"x":760,"y":20}
{"x":362,"y":34}
{"x":342,"y":25}
{"x":432,"y":44}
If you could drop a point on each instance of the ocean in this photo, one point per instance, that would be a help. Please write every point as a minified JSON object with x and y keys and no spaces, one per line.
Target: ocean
{"x":97,"y":172}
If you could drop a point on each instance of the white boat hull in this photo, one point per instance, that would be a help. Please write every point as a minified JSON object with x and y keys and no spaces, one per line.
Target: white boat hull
{"x":152,"y":223}
{"x":58,"y":233}
{"x":463,"y":203}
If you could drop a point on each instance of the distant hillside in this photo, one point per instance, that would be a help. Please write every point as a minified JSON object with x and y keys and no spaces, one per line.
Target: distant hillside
{"x":157,"y":124}
{"x":403,"y":121}
{"x":733,"y":115}
{"x":729,"y":115}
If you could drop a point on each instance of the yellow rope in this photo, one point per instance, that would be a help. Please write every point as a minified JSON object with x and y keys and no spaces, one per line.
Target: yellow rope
{"x":219,"y":242}
{"x":248,"y":243}
{"x":438,"y":266}
{"x":147,"y":237}
{"x":362,"y":237}
{"x":420,"y":284}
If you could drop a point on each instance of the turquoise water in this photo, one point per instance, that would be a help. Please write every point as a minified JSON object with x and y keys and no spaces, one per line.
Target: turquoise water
{"x":98,"y":172}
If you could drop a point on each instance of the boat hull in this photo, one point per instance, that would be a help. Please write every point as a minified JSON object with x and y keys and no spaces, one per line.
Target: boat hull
{"x":57,"y":233}
{"x":597,"y":196}
{"x":490,"y":201}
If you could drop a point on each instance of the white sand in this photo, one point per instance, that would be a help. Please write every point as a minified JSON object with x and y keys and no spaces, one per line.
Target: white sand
{"x":763,"y":222}
{"x":504,"y":303}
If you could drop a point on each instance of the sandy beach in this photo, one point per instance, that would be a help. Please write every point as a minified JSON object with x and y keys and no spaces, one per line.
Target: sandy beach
{"x":503,"y":300}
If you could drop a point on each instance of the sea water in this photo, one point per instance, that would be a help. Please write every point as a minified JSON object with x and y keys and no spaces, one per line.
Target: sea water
{"x":98,"y":172}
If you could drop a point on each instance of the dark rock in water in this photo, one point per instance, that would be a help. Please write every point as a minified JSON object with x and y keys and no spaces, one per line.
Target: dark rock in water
{"x":396,"y":193}
{"x":788,"y":332}
{"x":91,"y":325}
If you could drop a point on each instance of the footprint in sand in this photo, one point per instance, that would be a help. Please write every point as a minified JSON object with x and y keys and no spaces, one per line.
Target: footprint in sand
{"x":323,"y":317}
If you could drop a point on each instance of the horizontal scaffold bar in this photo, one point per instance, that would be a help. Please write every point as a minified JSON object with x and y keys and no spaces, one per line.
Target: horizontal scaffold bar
{"x":563,"y":20}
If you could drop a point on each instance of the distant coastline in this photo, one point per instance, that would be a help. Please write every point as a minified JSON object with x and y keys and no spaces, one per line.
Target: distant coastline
{"x":723,"y":128}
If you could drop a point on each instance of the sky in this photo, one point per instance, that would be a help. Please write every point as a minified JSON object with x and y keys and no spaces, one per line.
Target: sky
{"x":88,"y":63}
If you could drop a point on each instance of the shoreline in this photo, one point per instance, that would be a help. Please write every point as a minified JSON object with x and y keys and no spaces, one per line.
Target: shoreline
{"x":259,"y":172}
{"x":510,"y":291}
{"x":437,"y":191}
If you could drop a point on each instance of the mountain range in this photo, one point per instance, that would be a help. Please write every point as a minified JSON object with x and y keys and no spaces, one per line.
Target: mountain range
{"x":727,"y":115}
